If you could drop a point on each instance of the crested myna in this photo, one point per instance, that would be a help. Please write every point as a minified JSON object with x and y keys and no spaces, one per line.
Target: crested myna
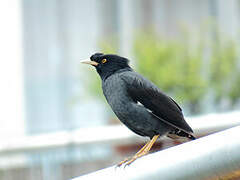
{"x":138,"y":103}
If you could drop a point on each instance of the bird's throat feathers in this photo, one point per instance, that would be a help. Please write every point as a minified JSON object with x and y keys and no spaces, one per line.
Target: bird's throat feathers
{"x":105,"y":74}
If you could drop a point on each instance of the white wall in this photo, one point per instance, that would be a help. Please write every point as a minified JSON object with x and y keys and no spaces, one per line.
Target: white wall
{"x":11,"y":76}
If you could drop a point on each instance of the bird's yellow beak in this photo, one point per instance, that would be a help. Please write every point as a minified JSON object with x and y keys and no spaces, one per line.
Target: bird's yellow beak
{"x":88,"y":61}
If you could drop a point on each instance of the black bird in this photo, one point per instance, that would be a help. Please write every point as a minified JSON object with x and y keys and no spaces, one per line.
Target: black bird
{"x":138,"y":103}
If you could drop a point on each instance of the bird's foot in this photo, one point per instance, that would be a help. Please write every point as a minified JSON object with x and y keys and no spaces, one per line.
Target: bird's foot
{"x":135,"y":158}
{"x":143,"y":151}
{"x":122,"y":162}
{"x":129,"y":161}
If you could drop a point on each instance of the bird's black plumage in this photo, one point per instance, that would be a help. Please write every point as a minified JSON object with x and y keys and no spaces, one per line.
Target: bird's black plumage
{"x":136,"y":101}
{"x":164,"y":107}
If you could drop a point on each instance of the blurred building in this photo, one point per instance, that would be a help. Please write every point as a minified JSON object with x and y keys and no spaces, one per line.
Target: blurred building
{"x":56,"y":35}
{"x":59,"y":33}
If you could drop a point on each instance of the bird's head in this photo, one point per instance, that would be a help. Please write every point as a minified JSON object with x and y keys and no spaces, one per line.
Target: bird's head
{"x":107,"y":64}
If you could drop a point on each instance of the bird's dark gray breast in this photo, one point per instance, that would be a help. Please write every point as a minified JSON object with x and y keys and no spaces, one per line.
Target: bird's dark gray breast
{"x":114,"y":89}
{"x":136,"y":117}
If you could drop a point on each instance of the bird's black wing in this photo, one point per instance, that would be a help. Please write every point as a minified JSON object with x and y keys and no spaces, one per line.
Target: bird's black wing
{"x":143,"y":91}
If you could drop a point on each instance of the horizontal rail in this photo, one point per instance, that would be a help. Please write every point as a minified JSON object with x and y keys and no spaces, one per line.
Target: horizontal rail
{"x":201,"y":125}
{"x":207,"y":157}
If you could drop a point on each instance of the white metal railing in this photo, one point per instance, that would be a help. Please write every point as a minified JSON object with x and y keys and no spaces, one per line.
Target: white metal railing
{"x":201,"y":125}
{"x":208,"y":157}
{"x":114,"y":135}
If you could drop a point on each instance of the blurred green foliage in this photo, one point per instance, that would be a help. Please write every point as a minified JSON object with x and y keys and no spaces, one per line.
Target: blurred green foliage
{"x":172,"y":67}
{"x":186,"y":68}
{"x":190,"y":70}
{"x":225,"y":72}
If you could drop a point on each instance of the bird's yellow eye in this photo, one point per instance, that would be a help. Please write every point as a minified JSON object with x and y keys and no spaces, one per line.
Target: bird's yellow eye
{"x":104,"y":61}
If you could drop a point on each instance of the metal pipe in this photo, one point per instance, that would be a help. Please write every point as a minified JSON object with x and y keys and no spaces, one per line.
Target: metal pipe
{"x":207,"y":157}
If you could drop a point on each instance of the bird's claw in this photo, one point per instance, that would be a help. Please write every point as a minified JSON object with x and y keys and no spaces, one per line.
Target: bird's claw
{"x":127,"y":162}
{"x":123,"y":162}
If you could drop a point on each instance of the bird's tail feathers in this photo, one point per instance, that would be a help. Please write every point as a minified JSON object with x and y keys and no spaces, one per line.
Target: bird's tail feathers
{"x":175,"y":134}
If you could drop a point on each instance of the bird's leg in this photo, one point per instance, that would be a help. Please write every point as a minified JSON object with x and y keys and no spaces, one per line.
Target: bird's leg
{"x":143,"y":151}
{"x":153,"y":140}
{"x":140,"y":151}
